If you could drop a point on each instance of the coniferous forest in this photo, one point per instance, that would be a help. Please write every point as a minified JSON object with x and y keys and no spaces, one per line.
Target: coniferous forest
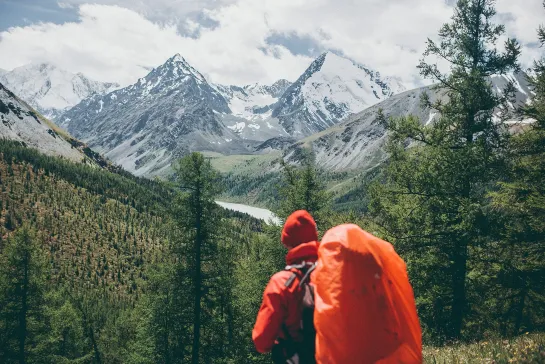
{"x":99,"y":266}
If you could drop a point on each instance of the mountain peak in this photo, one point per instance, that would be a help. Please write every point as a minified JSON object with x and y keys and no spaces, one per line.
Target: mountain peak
{"x":332,"y":88}
{"x":178,"y":64}
{"x":177,"y":58}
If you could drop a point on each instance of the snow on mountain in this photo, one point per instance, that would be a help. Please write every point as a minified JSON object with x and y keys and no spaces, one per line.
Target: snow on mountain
{"x":164,"y":115}
{"x":358,"y":142}
{"x":2,"y":71}
{"x":253,"y":101}
{"x":331,"y":89}
{"x":20,"y":123}
{"x":251,"y":108}
{"x":50,"y":89}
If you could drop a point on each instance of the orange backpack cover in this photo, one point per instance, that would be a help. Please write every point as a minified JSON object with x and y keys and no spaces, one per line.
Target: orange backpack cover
{"x":365,"y":310}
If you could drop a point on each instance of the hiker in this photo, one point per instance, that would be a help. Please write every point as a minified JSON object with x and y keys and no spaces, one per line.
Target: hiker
{"x":279,"y":327}
{"x":358,"y":308}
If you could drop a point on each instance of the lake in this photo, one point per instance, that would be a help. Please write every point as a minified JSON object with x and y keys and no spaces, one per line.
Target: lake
{"x":259,"y":213}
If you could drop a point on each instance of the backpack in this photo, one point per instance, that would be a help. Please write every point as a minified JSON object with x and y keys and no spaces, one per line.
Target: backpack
{"x":302,"y":352}
{"x":365,"y":310}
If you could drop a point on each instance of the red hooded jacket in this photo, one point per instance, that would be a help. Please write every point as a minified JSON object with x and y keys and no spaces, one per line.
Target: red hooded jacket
{"x":280,"y":312}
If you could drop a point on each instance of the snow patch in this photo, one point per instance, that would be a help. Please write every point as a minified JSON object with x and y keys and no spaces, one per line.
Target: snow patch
{"x":238,"y":127}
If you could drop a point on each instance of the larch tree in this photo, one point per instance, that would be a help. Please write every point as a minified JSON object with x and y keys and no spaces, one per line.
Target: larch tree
{"x":432,"y":199}
{"x":301,"y":189}
{"x":198,"y":220}
{"x":520,"y":201}
{"x":22,"y":296}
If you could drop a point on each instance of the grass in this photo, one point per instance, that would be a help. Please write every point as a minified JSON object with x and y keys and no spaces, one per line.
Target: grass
{"x":242,"y":164}
{"x":529,"y":348}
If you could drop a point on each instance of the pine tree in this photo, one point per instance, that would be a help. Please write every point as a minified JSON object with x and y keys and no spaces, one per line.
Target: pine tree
{"x":22,"y":296}
{"x":432,"y":203}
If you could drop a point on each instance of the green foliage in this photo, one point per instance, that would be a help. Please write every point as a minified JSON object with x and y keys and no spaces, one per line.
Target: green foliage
{"x":302,"y":189}
{"x":520,"y":204}
{"x":433,"y":201}
{"x":23,"y":289}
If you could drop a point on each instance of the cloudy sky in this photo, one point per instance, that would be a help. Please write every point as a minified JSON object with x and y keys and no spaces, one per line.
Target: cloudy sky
{"x":235,"y":41}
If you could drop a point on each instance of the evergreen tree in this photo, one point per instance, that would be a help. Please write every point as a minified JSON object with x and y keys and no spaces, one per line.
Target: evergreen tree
{"x":432,"y":201}
{"x":520,"y":201}
{"x":66,"y":340}
{"x":198,"y":220}
{"x":301,"y":189}
{"x":22,"y":297}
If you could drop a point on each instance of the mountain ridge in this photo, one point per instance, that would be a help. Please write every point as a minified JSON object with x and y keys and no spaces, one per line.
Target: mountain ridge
{"x":174,"y":110}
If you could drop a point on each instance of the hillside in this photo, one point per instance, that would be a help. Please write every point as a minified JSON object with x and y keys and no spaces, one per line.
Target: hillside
{"x":357,"y":144}
{"x":23,"y":124}
{"x":100,"y":226}
{"x":99,"y":223}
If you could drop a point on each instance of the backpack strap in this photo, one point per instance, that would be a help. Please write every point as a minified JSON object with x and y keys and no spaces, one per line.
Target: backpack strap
{"x":307,"y":274}
{"x":305,"y":268}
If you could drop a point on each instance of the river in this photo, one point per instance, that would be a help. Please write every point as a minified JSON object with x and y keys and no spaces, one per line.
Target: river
{"x":259,"y":213}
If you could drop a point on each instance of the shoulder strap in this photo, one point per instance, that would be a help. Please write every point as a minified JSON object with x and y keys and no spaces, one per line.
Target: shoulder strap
{"x":307,"y":274}
{"x":305,"y":268}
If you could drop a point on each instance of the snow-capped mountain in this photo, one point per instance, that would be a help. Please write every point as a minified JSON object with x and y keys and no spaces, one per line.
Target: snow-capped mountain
{"x":166,"y":114}
{"x":253,"y":101}
{"x":332,"y":88}
{"x":358,"y":142}
{"x":2,"y":71}
{"x":175,"y":110}
{"x":251,"y":108}
{"x":19,"y":122}
{"x":50,"y":89}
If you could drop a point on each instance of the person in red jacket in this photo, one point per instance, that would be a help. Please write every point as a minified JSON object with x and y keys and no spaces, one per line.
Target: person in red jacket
{"x":278,"y":324}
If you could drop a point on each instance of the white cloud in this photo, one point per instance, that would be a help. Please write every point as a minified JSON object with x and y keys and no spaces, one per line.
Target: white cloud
{"x":114,"y":43}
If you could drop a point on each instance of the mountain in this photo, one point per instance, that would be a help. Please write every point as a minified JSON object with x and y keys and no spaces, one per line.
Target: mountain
{"x":51,"y":90}
{"x":3,"y":72}
{"x":251,"y":108}
{"x":19,"y":122}
{"x":331,"y":89}
{"x":166,"y":114}
{"x":358,"y":142}
{"x":175,"y":110}
{"x":253,"y":101}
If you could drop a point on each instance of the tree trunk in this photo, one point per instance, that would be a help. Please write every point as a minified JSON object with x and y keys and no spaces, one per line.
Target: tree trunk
{"x":520,"y":308}
{"x":458,"y":289}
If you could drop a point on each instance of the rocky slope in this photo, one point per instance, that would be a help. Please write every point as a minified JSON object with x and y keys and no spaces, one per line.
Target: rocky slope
{"x":331,"y":89}
{"x":358,"y":143}
{"x":19,"y":122}
{"x":166,"y":114}
{"x":51,"y":90}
